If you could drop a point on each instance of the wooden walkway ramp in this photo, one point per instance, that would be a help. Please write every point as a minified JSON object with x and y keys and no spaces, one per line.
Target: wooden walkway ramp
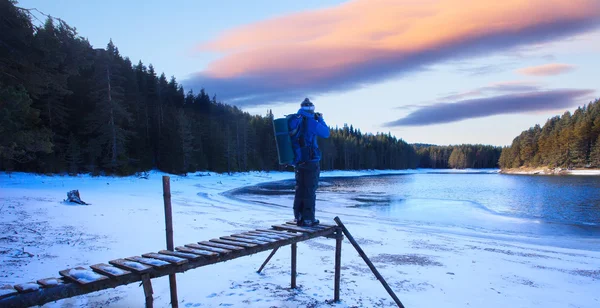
{"x":82,"y":280}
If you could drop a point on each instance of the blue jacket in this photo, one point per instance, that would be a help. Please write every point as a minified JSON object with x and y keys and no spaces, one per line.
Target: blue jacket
{"x":311,"y":129}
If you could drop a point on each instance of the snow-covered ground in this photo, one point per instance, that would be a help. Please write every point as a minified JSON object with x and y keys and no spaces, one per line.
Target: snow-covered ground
{"x":557,"y":171}
{"x":426,"y":267}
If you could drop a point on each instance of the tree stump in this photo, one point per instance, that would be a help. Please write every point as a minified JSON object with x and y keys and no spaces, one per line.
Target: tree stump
{"x":73,"y":196}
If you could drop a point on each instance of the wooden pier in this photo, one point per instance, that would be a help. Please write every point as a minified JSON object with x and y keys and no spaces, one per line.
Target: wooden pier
{"x":82,"y":280}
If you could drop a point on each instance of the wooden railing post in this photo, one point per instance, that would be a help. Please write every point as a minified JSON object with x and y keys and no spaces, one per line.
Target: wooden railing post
{"x":147,"y":285}
{"x":338,"y":262}
{"x":294,"y":250}
{"x":267,"y":260}
{"x":169,"y":229}
{"x":366,"y":259}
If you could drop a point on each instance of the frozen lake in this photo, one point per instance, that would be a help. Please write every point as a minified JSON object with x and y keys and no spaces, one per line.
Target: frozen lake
{"x":485,"y":202}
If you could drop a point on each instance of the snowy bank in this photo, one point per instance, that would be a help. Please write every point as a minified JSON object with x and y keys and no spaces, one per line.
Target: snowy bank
{"x":40,"y":235}
{"x":550,"y":171}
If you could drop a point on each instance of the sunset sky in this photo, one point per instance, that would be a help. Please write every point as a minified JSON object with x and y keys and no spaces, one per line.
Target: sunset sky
{"x":428,"y":71}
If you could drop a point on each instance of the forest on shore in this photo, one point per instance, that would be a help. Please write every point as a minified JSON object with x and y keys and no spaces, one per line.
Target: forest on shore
{"x":67,"y":107}
{"x":567,"y":141}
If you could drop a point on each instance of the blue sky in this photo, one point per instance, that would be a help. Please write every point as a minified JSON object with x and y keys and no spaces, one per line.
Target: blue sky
{"x":416,"y":70}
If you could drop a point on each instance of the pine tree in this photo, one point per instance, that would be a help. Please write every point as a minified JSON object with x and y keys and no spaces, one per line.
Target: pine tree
{"x":73,"y":155}
{"x":185,"y":140}
{"x":22,"y":137}
{"x":595,"y":154}
{"x":51,"y":82}
{"x":16,"y":51}
{"x":107,"y":122}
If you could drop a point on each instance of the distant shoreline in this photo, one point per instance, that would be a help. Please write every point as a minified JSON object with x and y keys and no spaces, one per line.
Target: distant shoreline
{"x":550,"y":171}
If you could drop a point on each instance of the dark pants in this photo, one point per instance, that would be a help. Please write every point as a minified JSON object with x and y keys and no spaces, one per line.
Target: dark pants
{"x":307,"y":181}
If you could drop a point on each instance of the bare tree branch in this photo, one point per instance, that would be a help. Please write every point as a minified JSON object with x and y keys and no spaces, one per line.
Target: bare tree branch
{"x":29,"y":11}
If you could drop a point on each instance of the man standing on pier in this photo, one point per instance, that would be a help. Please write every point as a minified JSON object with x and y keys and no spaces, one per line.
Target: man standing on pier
{"x":305,"y":126}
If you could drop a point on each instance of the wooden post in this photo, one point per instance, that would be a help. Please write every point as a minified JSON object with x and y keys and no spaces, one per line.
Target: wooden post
{"x":267,"y":260}
{"x":169,"y":228}
{"x":294,"y":250}
{"x":338,"y":261}
{"x":147,"y":284}
{"x":366,"y":259}
{"x":168,"y":214}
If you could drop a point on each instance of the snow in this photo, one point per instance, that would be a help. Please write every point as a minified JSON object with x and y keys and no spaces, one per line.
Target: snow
{"x":188,"y":255}
{"x":151,"y":261}
{"x":136,"y":265}
{"x":425,"y":266}
{"x":7,"y":289}
{"x":557,"y":171}
{"x":172,"y":258}
{"x":85,"y":275}
{"x":111,"y":269}
{"x":52,"y":282}
{"x":30,"y":286}
{"x":584,"y":172}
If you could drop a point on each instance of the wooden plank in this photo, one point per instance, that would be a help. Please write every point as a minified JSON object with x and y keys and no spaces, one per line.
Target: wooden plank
{"x":208,"y":248}
{"x":131,"y":266}
{"x":271,"y":236}
{"x":189,"y":256}
{"x":109,"y":270}
{"x":82,"y":276}
{"x":203,"y":253}
{"x":255,"y":237}
{"x":149,"y":261}
{"x":277,"y":232}
{"x":268,"y":235}
{"x":294,"y":228}
{"x":315,"y":227}
{"x":245,"y":240}
{"x":283,"y":233}
{"x":265,"y":235}
{"x":166,"y":258}
{"x":219,"y":245}
{"x":234,"y":243}
{"x":320,"y":225}
{"x":7,"y":290}
{"x":50,"y":282}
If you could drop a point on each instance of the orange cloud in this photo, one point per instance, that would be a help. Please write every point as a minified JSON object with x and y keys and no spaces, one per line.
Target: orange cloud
{"x":368,"y":40}
{"x":546,"y":69}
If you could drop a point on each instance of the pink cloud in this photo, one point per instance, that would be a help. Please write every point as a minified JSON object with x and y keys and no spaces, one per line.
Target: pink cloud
{"x":365,"y":41}
{"x":546,"y":69}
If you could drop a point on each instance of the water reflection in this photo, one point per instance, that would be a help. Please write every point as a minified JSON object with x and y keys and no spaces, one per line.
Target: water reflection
{"x":531,"y":205}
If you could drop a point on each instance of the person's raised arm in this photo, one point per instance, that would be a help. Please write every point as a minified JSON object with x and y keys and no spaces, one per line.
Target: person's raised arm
{"x":321,"y":128}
